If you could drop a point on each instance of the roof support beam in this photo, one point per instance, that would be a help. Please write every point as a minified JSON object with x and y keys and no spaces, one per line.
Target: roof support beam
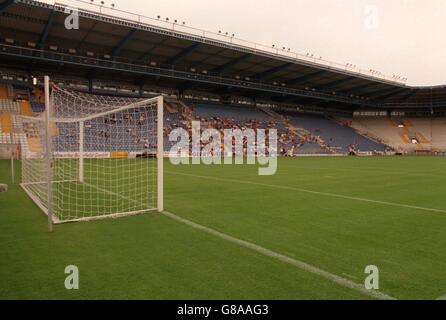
{"x":183,"y":53}
{"x":305,"y":77}
{"x":335,"y":83}
{"x":46,"y":30}
{"x":362,"y":87}
{"x":231,"y":63}
{"x":117,"y":49}
{"x":409,"y":95}
{"x":270,"y":72}
{"x":5,"y":5}
{"x":390,"y":93}
{"x":381,"y":91}
{"x":147,"y":54}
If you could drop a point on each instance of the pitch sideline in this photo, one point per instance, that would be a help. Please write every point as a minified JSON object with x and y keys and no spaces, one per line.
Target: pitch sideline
{"x":269,"y":253}
{"x":296,"y":263}
{"x":333,"y":195}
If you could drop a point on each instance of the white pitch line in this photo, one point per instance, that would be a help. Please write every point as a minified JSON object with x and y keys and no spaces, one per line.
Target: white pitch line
{"x":266,"y":252}
{"x":443,"y":297}
{"x":296,"y":263}
{"x":327,"y":194}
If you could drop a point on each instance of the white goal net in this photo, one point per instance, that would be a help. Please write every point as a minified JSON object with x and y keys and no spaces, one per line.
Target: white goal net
{"x":93,"y":157}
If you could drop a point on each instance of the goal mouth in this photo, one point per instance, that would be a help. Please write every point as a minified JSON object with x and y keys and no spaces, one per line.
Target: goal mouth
{"x":94,"y":157}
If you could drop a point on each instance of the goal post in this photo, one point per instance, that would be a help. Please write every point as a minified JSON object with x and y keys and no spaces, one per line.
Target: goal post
{"x":92,"y":157}
{"x":160,"y":154}
{"x":48,"y":155}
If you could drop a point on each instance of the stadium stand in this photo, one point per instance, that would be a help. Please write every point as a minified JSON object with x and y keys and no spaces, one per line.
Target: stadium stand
{"x":291,"y":140}
{"x":5,"y":92}
{"x":98,"y":134}
{"x":336,"y":137}
{"x":37,"y":107}
{"x":298,"y":133}
{"x":405,"y":134}
{"x":5,"y":120}
{"x":25,"y":108}
{"x":239,"y":113}
{"x":9,"y":106}
{"x":309,"y":148}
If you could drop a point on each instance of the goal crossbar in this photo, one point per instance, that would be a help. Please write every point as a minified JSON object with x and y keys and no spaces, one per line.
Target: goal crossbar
{"x":106,"y":113}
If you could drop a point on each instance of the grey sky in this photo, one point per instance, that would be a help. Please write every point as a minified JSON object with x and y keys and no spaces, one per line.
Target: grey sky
{"x":405,"y":37}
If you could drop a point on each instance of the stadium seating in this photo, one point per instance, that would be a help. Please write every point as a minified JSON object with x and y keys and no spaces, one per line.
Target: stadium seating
{"x":5,"y":120}
{"x":98,"y":134}
{"x":239,"y":113}
{"x":25,"y":108}
{"x":9,"y":106}
{"x":6,"y":92}
{"x":298,"y":133}
{"x":231,"y":117}
{"x":309,"y":148}
{"x":339,"y":138}
{"x":407,"y":134}
{"x":37,"y":107}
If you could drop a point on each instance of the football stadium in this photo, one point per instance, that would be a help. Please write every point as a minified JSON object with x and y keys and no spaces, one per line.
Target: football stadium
{"x":118,"y":180}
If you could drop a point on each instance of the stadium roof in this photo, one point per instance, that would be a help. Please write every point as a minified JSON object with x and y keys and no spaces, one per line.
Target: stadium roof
{"x":33,"y":37}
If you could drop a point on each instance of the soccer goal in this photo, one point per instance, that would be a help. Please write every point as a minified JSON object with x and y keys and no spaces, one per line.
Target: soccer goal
{"x":92,"y":157}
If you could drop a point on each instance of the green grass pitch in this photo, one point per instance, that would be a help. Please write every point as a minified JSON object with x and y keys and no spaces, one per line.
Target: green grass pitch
{"x":336,"y":214}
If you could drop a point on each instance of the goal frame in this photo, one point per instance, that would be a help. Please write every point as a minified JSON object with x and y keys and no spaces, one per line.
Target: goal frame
{"x":48,"y":120}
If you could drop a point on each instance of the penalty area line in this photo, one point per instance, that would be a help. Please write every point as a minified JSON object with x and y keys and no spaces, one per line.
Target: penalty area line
{"x":294,"y":262}
{"x":327,"y":194}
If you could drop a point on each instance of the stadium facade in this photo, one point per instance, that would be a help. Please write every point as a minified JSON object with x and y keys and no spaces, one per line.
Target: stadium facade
{"x":136,"y":57}
{"x":34,"y":40}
